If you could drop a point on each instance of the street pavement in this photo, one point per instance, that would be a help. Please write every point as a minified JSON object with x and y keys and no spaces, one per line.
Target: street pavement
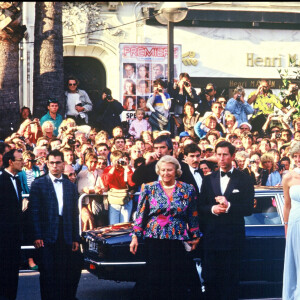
{"x":90,"y":288}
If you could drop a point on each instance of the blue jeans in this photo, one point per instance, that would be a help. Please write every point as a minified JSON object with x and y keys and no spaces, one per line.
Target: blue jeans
{"x":119,"y":213}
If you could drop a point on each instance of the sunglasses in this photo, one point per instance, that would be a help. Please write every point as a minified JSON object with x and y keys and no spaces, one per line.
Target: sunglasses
{"x":70,"y":84}
{"x":71,"y":174}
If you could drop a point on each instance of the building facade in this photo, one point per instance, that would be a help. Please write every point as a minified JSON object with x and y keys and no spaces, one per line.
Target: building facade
{"x":227,"y":43}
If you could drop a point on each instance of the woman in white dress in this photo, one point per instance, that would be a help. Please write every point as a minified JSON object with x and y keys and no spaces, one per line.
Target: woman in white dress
{"x":291,"y":216}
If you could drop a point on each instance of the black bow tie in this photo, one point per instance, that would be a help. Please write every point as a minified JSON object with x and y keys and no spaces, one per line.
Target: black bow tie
{"x":197,"y":171}
{"x":14,"y":177}
{"x":226,"y":173}
{"x":58,"y":180}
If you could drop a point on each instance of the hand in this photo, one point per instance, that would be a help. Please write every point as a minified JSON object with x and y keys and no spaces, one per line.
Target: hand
{"x":270,"y":116}
{"x":79,"y":108}
{"x":218,"y":209}
{"x":222,"y":200}
{"x":98,"y":190}
{"x":134,"y":245}
{"x":86,"y":190}
{"x":260,"y":89}
{"x":194,"y":243}
{"x":38,"y":244}
{"x":75,"y":246}
{"x":150,"y":157}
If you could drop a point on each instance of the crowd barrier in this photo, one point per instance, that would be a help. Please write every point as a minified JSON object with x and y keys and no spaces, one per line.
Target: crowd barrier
{"x":80,"y":201}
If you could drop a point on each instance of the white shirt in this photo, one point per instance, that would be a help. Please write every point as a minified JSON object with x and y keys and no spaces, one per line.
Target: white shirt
{"x":224,"y":181}
{"x":13,"y":182}
{"x":197,"y":177}
{"x":73,"y":99}
{"x":58,"y":187}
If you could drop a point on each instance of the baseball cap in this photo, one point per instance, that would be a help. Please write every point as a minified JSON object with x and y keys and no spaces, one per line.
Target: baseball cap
{"x":184,"y":134}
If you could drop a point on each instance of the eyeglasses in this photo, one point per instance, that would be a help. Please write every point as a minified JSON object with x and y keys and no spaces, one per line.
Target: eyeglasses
{"x":70,"y":84}
{"x":102,"y":163}
{"x":275,"y":131}
{"x":19,"y":159}
{"x":244,"y":128}
{"x":31,"y":160}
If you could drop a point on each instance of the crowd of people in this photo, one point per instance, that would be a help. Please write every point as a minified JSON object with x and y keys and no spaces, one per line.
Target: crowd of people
{"x":184,"y":137}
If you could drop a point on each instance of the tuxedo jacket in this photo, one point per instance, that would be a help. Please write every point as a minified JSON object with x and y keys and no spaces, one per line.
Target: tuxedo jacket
{"x":188,"y":177}
{"x":225,"y":231}
{"x":10,"y":211}
{"x":44,"y":214}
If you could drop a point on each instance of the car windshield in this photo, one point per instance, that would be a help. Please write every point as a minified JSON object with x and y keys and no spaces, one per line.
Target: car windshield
{"x":264,"y":213}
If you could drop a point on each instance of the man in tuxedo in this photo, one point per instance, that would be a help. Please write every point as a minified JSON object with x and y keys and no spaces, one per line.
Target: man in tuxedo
{"x":190,"y":168}
{"x":226,"y":196}
{"x":10,"y":224}
{"x":146,"y":173}
{"x":55,"y":217}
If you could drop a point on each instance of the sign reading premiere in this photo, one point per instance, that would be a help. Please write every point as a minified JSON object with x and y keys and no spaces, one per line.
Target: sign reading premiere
{"x":140,"y":66}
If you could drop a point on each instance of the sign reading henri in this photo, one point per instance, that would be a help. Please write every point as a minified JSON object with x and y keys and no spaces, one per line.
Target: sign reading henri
{"x":140,"y":65}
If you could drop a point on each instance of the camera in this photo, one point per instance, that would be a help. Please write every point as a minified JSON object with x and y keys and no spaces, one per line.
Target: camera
{"x":79,"y":104}
{"x":160,"y":90}
{"x":252,"y":161}
{"x":109,"y":97}
{"x":281,"y":167}
{"x":122,"y":162}
{"x":71,"y":142}
{"x":187,"y":84}
{"x":278,"y":135}
{"x":238,"y":98}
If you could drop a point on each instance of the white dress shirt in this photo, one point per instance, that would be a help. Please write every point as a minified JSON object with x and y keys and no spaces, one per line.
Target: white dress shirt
{"x":197,"y":177}
{"x":13,"y":182}
{"x":58,"y":187}
{"x":224,"y":181}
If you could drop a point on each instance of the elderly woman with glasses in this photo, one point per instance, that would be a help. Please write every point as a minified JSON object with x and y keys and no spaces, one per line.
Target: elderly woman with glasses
{"x":167,"y":219}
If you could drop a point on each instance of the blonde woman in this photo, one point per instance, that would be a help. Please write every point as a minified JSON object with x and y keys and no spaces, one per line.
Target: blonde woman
{"x":268,"y":175}
{"x":48,"y":128}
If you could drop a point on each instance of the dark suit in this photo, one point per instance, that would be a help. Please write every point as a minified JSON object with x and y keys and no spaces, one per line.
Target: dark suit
{"x":188,"y":177}
{"x":57,"y":232}
{"x":145,"y":174}
{"x":10,"y":236}
{"x":223,"y":235}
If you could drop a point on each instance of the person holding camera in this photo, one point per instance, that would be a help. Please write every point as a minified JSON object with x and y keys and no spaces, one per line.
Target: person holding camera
{"x":159,"y":104}
{"x":78,"y":103}
{"x":117,"y":180}
{"x":182,"y":93}
{"x":106,"y":112}
{"x":276,"y":121}
{"x":292,"y":101}
{"x":52,"y":115}
{"x":264,"y":102}
{"x":207,"y":98}
{"x":238,"y":106}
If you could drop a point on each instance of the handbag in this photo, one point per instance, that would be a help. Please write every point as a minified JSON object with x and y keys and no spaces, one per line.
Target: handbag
{"x":157,"y":119}
{"x":118,"y":196}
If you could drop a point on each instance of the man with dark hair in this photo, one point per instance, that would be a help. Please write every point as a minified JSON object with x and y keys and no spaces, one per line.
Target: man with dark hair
{"x":146,"y":173}
{"x":55,"y":222}
{"x":119,"y":143}
{"x":285,"y":162}
{"x":286,"y":134}
{"x":10,"y":223}
{"x":78,"y":102}
{"x":226,"y":196}
{"x":190,"y":167}
{"x":106,"y":112}
{"x":52,"y":115}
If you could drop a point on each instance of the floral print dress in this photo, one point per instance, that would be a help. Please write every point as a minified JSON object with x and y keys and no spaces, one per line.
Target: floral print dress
{"x":163,"y":217}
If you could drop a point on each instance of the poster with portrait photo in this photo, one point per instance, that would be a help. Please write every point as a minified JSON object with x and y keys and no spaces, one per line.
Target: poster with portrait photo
{"x":142,"y":102}
{"x":143,"y":87}
{"x":129,"y":70}
{"x":129,"y":87}
{"x":146,"y":62}
{"x":143,"y":71}
{"x":129,"y":103}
